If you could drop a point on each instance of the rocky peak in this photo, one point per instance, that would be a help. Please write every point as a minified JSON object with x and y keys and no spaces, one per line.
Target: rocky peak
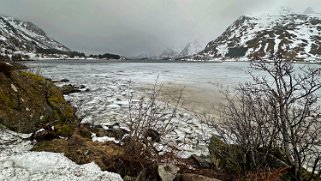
{"x":295,"y":36}
{"x":168,"y":54}
{"x":190,"y":49}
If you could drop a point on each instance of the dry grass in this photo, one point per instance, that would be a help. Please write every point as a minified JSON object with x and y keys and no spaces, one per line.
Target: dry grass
{"x":264,"y":175}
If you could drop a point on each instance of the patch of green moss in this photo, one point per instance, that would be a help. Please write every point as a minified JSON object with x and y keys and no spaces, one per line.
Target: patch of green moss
{"x":54,"y":100}
{"x":69,"y":112}
{"x":55,"y":96}
{"x":225,"y":156}
{"x":32,"y":76}
{"x":65,"y":130}
{"x":56,"y":145}
{"x":84,"y":132}
{"x":5,"y":100}
{"x":56,"y":115}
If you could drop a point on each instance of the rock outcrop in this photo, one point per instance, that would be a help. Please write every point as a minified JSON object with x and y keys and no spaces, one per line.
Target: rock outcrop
{"x":29,"y":102}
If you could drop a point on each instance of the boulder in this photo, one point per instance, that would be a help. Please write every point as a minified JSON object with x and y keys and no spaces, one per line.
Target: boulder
{"x":202,"y":162}
{"x":112,"y":131}
{"x":161,"y":172}
{"x":6,"y":68}
{"x":235,"y":158}
{"x":69,"y":89}
{"x":225,"y":156}
{"x":167,"y":172}
{"x":149,"y":174}
{"x":29,"y":102}
{"x":64,"y":80}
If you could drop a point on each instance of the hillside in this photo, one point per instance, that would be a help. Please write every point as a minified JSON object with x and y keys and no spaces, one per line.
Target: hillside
{"x":23,"y":40}
{"x":293,"y":35}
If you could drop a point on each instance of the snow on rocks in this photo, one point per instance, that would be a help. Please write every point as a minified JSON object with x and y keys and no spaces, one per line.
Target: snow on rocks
{"x":18,"y":163}
{"x":50,"y":166}
{"x":12,"y":143}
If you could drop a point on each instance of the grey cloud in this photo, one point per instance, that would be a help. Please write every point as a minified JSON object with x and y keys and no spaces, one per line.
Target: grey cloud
{"x":132,"y":27}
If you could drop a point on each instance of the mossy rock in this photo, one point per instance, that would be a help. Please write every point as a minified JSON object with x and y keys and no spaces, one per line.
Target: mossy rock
{"x":28,"y":102}
{"x":225,"y":156}
{"x":65,"y":130}
{"x":82,"y":150}
{"x":33,"y":76}
{"x":238,"y":160}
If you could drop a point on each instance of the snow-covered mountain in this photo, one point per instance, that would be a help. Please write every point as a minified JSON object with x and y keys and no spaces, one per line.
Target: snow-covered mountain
{"x":168,"y":54}
{"x":17,"y":36}
{"x":295,"y":36}
{"x":190,"y":49}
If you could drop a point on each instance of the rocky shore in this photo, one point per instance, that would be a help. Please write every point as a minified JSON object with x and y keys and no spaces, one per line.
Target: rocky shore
{"x":104,"y":127}
{"x":36,"y":108}
{"x":37,"y":122}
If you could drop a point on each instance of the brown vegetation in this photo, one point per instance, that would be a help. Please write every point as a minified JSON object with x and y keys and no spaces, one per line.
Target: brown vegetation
{"x":273,"y":123}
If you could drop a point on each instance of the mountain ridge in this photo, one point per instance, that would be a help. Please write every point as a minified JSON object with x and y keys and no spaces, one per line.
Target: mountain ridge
{"x":25,"y":40}
{"x":190,"y":49}
{"x":295,"y":36}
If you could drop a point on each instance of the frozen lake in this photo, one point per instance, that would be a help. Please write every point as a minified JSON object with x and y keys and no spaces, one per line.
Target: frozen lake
{"x":199,"y":80}
{"x":107,"y":100}
{"x":201,"y":75}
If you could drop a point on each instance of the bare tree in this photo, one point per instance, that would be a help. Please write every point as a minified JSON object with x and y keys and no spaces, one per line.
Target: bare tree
{"x":278,"y":111}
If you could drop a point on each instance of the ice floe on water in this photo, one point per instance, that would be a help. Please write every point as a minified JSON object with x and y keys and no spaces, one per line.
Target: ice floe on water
{"x":18,"y":163}
{"x":110,"y":88}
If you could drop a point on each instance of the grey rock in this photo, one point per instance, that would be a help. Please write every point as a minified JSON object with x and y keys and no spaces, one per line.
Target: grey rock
{"x":64,"y":80}
{"x":167,"y":172}
{"x":162,"y":172}
{"x":149,"y":174}
{"x":202,"y":162}
{"x":69,"y":89}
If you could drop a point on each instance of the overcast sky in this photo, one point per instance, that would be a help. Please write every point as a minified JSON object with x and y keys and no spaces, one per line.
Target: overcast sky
{"x":133,"y":27}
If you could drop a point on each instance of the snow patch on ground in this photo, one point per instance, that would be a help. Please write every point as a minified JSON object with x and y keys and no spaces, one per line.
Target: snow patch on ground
{"x":50,"y":166}
{"x":18,"y":163}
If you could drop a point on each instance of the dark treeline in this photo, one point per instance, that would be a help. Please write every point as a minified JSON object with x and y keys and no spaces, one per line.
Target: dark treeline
{"x":71,"y":54}
{"x":105,"y":56}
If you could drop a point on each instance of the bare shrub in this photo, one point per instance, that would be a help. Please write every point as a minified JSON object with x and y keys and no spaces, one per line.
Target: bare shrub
{"x":264,"y":175}
{"x":149,"y":120}
{"x":277,"y":116}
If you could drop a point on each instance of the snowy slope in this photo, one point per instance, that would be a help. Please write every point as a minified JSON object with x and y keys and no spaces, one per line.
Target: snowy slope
{"x":18,"y":163}
{"x":293,"y":35}
{"x":18,"y":36}
{"x":190,"y":49}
